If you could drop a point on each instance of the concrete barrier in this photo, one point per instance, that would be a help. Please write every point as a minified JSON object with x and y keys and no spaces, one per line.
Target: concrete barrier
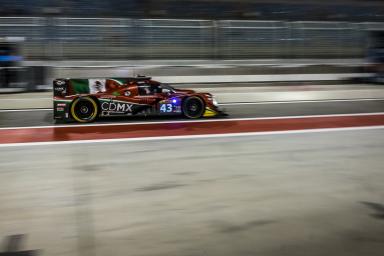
{"x":230,"y":94}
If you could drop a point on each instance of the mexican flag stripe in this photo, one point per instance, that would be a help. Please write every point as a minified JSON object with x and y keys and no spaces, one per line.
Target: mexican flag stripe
{"x":80,"y":86}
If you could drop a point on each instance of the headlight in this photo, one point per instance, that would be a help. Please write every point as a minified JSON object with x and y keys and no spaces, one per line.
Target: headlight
{"x":214,"y":101}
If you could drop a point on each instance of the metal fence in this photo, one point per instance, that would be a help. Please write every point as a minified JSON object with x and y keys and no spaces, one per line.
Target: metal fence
{"x":92,"y":38}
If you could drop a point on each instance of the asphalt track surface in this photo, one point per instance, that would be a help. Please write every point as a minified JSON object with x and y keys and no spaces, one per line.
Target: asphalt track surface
{"x":301,"y":194}
{"x":307,"y":193}
{"x":36,"y":117}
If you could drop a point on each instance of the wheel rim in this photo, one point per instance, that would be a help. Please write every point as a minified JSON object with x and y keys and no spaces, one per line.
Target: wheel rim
{"x":194,"y":108}
{"x":84,"y":110}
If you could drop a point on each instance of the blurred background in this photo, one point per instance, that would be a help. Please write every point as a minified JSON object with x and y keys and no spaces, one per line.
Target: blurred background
{"x":38,"y":32}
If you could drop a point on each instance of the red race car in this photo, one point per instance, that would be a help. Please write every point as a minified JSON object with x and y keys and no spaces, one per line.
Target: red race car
{"x":84,"y":100}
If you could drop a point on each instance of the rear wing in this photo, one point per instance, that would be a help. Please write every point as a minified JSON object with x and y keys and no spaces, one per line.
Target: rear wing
{"x":66,"y":87}
{"x":73,"y":86}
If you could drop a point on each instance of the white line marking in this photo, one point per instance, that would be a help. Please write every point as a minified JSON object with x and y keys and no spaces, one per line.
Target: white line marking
{"x":24,"y":99}
{"x":204,"y":136}
{"x":258,"y":78}
{"x":192,"y":121}
{"x":25,"y":110}
{"x":228,"y":104}
{"x":298,"y":101}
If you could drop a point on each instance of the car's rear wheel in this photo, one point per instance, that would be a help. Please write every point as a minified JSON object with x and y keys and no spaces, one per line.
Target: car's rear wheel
{"x":84,"y":109}
{"x":193,"y":107}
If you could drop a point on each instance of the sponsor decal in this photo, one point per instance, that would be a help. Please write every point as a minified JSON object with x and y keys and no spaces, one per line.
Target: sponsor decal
{"x":166,"y":108}
{"x":61,"y":104}
{"x":61,"y":89}
{"x":60,"y":82}
{"x":60,"y":109}
{"x":116,"y":107}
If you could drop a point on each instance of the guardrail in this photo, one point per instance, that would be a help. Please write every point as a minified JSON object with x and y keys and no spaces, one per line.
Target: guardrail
{"x":102,"y":38}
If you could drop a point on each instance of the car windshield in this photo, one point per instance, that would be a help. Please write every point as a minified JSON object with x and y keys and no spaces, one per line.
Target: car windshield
{"x":167,"y":87}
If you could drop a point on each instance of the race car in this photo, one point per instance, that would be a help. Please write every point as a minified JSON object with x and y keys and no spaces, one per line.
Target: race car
{"x":84,"y":100}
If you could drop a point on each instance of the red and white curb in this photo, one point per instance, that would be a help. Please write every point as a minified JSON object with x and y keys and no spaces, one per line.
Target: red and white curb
{"x":92,"y":133}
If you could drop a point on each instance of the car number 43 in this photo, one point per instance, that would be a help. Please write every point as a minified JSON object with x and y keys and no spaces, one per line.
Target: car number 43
{"x":166,"y":108}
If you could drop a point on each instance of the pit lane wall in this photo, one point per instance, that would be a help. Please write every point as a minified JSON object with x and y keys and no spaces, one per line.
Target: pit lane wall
{"x":230,"y":93}
{"x":39,"y":74}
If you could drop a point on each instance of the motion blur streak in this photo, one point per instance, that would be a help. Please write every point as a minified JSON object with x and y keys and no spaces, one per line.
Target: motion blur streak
{"x":79,"y":133}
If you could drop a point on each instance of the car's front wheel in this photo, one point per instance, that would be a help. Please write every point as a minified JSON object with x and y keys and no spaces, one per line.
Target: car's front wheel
{"x":84,"y":109}
{"x":193,"y":107}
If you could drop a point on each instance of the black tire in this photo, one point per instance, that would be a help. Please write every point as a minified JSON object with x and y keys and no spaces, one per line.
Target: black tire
{"x":193,"y":107}
{"x":84,"y":109}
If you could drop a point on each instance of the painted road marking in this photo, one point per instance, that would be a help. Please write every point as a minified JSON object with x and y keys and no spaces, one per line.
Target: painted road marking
{"x":299,"y":101}
{"x":212,"y":127}
{"x":187,"y":137}
{"x":188,"y":121}
{"x":25,"y":110}
{"x":23,"y":99}
{"x":230,"y":103}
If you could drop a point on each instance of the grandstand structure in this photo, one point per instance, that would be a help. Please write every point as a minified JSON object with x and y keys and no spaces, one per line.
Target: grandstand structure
{"x":341,"y":10}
